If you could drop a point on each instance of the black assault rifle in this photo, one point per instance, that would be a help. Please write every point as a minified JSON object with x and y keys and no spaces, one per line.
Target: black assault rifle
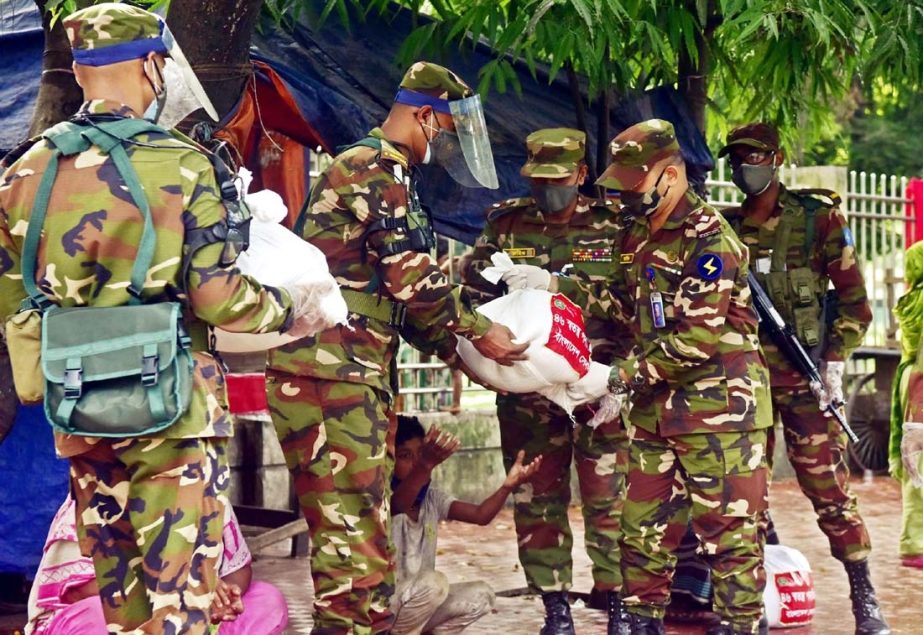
{"x":784,"y":337}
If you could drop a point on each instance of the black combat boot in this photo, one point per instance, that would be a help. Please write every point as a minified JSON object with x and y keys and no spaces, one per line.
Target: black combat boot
{"x":865,"y":608}
{"x":618,"y":617}
{"x":557,"y":614}
{"x":643,"y":625}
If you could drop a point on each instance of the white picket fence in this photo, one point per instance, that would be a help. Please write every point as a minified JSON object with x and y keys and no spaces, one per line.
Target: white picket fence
{"x":875,"y":204}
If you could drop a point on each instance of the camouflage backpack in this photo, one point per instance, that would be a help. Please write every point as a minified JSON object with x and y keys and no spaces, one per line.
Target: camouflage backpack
{"x":118,"y":371}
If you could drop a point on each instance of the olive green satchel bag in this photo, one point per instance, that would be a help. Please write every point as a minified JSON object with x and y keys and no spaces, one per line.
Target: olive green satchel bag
{"x":122,"y":371}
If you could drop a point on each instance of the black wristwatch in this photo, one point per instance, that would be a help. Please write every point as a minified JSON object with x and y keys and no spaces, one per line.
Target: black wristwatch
{"x":617,"y":386}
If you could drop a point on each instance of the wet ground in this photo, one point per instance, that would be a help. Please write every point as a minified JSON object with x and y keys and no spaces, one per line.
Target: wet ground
{"x":489,"y":553}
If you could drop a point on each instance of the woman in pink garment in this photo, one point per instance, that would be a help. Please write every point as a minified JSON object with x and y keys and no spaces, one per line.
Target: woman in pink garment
{"x":65,"y":598}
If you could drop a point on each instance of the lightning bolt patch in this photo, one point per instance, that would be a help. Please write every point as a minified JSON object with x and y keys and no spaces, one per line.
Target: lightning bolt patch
{"x":710,"y":266}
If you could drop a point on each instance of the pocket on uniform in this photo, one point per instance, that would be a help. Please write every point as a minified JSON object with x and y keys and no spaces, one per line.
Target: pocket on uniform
{"x":807,"y":325}
{"x":736,"y":481}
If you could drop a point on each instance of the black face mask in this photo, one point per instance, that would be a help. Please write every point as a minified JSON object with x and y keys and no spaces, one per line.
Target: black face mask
{"x":753,"y":180}
{"x":642,"y":204}
{"x":552,"y":198}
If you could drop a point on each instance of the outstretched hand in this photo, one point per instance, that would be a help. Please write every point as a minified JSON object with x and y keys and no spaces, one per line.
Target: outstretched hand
{"x":438,"y":445}
{"x":520,"y":473}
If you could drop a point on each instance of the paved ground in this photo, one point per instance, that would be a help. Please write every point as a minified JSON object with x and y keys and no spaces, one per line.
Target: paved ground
{"x":489,"y":553}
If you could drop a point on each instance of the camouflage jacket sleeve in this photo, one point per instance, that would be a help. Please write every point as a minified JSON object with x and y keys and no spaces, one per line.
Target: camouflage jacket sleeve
{"x":222,"y":295}
{"x":430,"y":339}
{"x":702,"y":305}
{"x":409,"y":277}
{"x":478,"y":259}
{"x":843,"y":269}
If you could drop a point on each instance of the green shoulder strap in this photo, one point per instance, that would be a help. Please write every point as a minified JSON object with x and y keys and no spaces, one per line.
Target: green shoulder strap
{"x":811,"y":206}
{"x":69,"y":138}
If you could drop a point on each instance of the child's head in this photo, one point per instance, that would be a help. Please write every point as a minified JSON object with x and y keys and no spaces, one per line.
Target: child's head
{"x":409,"y":440}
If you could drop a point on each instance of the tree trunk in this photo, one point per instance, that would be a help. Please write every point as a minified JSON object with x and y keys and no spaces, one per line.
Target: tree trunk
{"x":220,"y":53}
{"x":580,"y":112}
{"x":603,"y":103}
{"x":693,"y":73}
{"x":59,"y":96}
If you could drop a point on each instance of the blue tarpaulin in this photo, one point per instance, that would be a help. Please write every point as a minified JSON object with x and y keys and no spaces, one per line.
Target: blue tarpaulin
{"x":21,"y":45}
{"x":345,"y":83}
{"x":34,"y":483}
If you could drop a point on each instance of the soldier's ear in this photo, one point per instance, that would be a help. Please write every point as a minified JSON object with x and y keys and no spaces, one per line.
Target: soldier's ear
{"x":424,"y":114}
{"x":779,"y":158}
{"x":76,"y":69}
{"x":582,"y":172}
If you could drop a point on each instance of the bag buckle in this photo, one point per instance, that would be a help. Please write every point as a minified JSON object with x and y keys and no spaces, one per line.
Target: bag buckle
{"x":398,"y":313}
{"x":73,"y":380}
{"x":150,"y":372}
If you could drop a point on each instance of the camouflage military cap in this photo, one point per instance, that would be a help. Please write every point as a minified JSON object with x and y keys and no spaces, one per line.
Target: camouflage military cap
{"x":428,"y":84}
{"x":636,"y":150}
{"x":761,"y":136}
{"x":554,"y":153}
{"x":112,"y":32}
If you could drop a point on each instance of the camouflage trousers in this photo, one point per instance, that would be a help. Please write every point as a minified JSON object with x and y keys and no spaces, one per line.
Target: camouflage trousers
{"x":150,"y":514}
{"x":536,"y":425}
{"x":719,"y":482}
{"x":816,"y":447}
{"x":338,"y":442}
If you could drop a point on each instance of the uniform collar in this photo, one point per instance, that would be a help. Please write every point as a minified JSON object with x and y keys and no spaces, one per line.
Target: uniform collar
{"x":687,"y":204}
{"x":107,"y":107}
{"x":389,"y":151}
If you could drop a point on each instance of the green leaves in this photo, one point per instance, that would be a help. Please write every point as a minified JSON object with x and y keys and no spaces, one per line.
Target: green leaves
{"x":791,"y":62}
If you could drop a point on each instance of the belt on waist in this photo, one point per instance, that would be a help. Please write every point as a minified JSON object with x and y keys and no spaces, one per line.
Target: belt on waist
{"x":198,"y":334}
{"x":372,"y":305}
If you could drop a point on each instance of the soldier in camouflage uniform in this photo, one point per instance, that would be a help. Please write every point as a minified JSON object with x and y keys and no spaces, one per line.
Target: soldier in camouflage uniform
{"x":799,"y":243}
{"x":698,"y":381}
{"x":331,"y":395}
{"x":559,"y":229}
{"x":149,"y":510}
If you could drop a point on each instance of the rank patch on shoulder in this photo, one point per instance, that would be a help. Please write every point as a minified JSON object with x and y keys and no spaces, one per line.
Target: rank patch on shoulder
{"x":626,"y":259}
{"x":710,"y":266}
{"x":520,"y":252}
{"x":591,"y":255}
{"x":848,"y":240}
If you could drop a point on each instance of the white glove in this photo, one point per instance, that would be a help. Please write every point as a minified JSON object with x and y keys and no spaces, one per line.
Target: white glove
{"x":831,"y":373}
{"x":526,"y":277}
{"x":609,"y":407}
{"x":595,"y":386}
{"x":912,"y":450}
{"x":310,"y":311}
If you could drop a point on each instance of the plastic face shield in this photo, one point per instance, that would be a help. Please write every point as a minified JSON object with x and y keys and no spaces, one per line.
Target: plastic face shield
{"x":478,"y":168}
{"x":185,"y":94}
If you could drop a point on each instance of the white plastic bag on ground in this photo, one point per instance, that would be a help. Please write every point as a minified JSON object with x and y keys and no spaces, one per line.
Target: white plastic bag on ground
{"x":279,"y":258}
{"x":789,"y":595}
{"x":559,"y":352}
